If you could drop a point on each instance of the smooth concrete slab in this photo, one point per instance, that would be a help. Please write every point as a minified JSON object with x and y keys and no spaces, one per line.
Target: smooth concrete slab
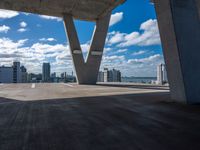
{"x":28,"y":92}
{"x":89,"y":10}
{"x":131,"y":121}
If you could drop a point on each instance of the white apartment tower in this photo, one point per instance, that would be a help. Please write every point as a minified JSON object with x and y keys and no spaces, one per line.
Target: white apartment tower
{"x":161,"y":74}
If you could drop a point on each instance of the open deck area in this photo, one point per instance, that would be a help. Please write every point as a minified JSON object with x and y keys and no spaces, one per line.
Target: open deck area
{"x":101,"y":117}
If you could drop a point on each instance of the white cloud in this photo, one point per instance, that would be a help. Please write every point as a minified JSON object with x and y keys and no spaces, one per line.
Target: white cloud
{"x":115,"y":18}
{"x":50,"y":17}
{"x":32,"y":57}
{"x":149,"y":59}
{"x":4,"y":14}
{"x":122,"y":50}
{"x":139,"y":53}
{"x":27,"y":14}
{"x":148,"y":35}
{"x":47,"y":39}
{"x":22,"y":30}
{"x":4,"y":28}
{"x":107,"y":49}
{"x":23,"y":24}
{"x":116,"y":37}
{"x":6,"y":44}
{"x":133,"y":67}
{"x":118,"y":51}
{"x":85,"y":47}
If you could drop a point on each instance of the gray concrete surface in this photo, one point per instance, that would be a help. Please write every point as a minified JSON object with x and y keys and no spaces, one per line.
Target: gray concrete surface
{"x":87,"y":71}
{"x":179,"y":25}
{"x":89,"y":10}
{"x":127,"y":120}
{"x":28,"y":92}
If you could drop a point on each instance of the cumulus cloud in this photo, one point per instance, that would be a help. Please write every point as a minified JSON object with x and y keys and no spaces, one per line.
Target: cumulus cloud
{"x":148,"y":35}
{"x":6,"y":44}
{"x":115,"y":37}
{"x":141,"y":52}
{"x":4,"y":29}
{"x":22,"y":30}
{"x":47,"y":39}
{"x":133,"y":67}
{"x":151,"y":59}
{"x":4,"y":14}
{"x":122,"y":50}
{"x":115,"y":18}
{"x":23,"y":24}
{"x":59,"y":56}
{"x":33,"y":56}
{"x":50,"y":17}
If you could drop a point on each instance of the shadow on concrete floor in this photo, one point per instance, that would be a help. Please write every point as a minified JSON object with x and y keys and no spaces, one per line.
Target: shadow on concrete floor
{"x":130,"y":122}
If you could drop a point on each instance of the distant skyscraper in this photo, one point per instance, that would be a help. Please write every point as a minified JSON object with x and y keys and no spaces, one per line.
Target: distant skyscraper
{"x":100,"y":76}
{"x":161,"y":74}
{"x":16,"y":72}
{"x":46,"y":69}
{"x":53,"y":75}
{"x":109,"y":75}
{"x":34,"y":78}
{"x":105,"y":75}
{"x":23,"y":74}
{"x":116,"y":75}
{"x":6,"y":74}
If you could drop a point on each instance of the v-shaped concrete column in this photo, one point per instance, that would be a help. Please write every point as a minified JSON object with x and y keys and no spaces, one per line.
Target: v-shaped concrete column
{"x":179,"y":24}
{"x":87,"y":72}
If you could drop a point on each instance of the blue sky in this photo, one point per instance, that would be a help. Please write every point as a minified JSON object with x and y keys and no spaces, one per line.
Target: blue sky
{"x":132,"y":46}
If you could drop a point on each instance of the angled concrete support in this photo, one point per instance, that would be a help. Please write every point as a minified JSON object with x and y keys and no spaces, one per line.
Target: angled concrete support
{"x":179,"y":24}
{"x":87,"y":72}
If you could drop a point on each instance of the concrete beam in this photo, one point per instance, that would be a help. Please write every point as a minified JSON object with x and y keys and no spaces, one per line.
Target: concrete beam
{"x":89,"y":10}
{"x":179,"y":25}
{"x":87,"y":72}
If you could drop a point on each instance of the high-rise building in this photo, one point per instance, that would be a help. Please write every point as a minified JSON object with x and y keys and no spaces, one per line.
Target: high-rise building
{"x":34,"y":78}
{"x":16,"y":72}
{"x":53,"y":75}
{"x":161,"y":74}
{"x":46,"y":70}
{"x":23,"y":74}
{"x":109,"y":75}
{"x":63,"y":77}
{"x":105,"y":75}
{"x":6,"y":74}
{"x":100,"y":76}
{"x":115,"y":75}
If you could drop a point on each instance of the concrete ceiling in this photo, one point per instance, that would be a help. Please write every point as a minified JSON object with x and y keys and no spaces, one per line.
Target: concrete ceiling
{"x":89,"y":10}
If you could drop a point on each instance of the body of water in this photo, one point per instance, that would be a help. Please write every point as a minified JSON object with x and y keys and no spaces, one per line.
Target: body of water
{"x":139,"y":79}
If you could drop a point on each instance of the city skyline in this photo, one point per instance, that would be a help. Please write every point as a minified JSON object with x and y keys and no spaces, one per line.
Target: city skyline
{"x":132,"y":45}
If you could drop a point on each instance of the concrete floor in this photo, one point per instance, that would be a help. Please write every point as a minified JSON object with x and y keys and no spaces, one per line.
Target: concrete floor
{"x":26,"y":92}
{"x":110,"y":121}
